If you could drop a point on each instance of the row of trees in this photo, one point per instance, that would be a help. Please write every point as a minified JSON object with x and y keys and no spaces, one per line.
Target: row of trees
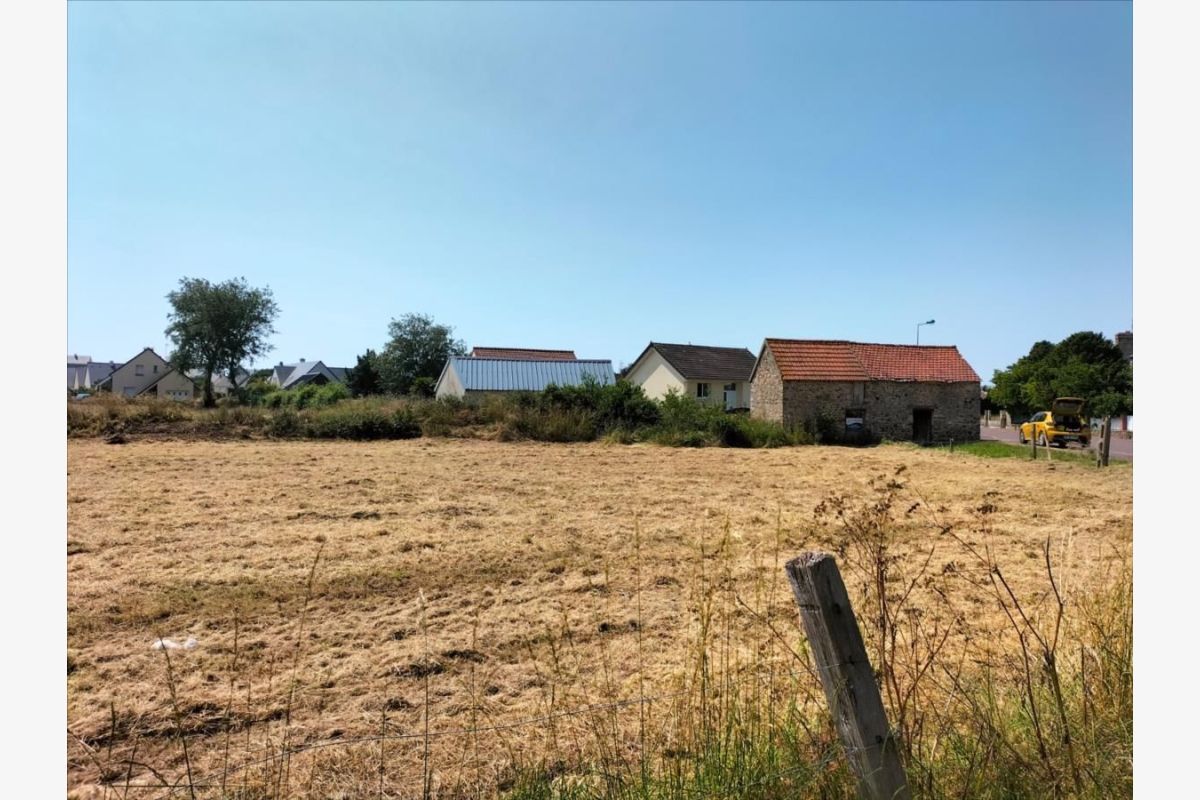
{"x":216,"y":328}
{"x":1084,"y":364}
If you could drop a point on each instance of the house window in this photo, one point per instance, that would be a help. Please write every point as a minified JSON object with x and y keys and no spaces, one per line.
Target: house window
{"x":139,"y":370}
{"x":156,"y":369}
{"x":731,"y":387}
{"x":701,"y":390}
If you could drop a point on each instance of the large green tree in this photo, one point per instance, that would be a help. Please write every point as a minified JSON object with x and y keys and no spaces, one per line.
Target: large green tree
{"x":1084,"y":364}
{"x":217,"y":327}
{"x":417,"y":348}
{"x":363,"y":378}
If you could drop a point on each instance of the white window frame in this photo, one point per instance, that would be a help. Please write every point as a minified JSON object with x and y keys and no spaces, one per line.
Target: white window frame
{"x":702,"y":391}
{"x":139,"y":370}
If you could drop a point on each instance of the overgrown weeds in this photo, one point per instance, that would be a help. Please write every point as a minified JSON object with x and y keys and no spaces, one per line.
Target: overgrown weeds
{"x":618,"y":413}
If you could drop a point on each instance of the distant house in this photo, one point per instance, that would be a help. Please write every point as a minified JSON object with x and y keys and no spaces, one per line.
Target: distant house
{"x":523,"y":354}
{"x":709,"y":374}
{"x":302,"y":373}
{"x":83,"y":374}
{"x":467,"y":376}
{"x":220,"y":383}
{"x":148,"y":375}
{"x":906,"y":392}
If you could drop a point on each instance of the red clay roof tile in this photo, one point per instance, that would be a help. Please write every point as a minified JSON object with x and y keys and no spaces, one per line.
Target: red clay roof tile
{"x":523,"y":354}
{"x":816,"y":360}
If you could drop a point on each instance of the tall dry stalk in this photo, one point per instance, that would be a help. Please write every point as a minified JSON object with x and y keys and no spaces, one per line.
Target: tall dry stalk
{"x":178,"y":716}
{"x":287,"y":725}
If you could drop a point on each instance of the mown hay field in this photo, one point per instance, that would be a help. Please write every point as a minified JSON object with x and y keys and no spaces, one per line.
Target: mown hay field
{"x":467,"y":585}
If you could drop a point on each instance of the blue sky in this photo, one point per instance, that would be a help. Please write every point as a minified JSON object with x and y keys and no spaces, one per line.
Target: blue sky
{"x":598,"y":176}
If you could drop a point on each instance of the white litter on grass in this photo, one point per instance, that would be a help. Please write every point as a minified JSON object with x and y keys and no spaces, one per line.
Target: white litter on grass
{"x":171,"y":644}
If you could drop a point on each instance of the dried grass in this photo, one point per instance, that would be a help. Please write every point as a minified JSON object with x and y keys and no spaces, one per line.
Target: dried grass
{"x":471,"y":584}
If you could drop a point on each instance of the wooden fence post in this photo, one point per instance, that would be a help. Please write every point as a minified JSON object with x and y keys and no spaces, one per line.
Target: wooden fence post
{"x":1106,"y":441}
{"x":847,"y":677}
{"x":1033,"y":440}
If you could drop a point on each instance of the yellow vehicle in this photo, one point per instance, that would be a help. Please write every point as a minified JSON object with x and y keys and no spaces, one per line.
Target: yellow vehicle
{"x":1059,"y":426}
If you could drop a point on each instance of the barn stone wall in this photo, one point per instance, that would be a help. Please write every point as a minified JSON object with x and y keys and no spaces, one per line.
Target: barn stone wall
{"x":887,"y":406}
{"x":766,"y":390}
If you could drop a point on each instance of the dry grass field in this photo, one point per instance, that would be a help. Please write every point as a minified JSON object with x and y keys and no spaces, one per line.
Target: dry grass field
{"x":466,"y":584}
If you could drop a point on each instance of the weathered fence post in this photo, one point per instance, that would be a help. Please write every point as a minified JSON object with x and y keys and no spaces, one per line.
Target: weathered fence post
{"x":1033,"y":440}
{"x":847,"y":677}
{"x":987,"y":419}
{"x":1107,"y":439}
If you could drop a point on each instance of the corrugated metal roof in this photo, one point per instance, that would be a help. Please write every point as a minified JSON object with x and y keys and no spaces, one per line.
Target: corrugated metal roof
{"x":511,"y":375}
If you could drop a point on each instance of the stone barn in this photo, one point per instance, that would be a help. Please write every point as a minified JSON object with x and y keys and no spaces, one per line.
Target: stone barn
{"x":922,"y":393}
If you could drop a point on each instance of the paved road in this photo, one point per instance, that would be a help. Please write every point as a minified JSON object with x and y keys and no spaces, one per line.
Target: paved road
{"x":1119,"y":448}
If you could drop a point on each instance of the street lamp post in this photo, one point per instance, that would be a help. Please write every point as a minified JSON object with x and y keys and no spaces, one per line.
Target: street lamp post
{"x":919,"y":324}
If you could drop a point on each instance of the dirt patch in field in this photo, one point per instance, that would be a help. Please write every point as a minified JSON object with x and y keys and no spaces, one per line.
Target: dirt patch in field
{"x":476,"y":583}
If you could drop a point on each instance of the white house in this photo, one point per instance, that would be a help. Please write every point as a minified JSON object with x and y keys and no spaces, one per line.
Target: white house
{"x":149,"y":375}
{"x":709,"y":374}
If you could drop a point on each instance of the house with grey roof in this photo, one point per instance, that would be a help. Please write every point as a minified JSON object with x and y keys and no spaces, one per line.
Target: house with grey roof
{"x":148,"y":375}
{"x":709,"y":374}
{"x":220,"y":383}
{"x":83,"y":374}
{"x":302,"y":373}
{"x":467,"y":376}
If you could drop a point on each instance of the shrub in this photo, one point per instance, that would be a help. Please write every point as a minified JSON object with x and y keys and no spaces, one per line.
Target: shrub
{"x":362,"y":420}
{"x":284,"y":423}
{"x":331,"y":393}
{"x":423,"y":386}
{"x":549,"y":426}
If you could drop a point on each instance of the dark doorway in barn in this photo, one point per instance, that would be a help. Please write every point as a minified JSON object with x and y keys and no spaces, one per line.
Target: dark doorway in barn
{"x":922,"y":425}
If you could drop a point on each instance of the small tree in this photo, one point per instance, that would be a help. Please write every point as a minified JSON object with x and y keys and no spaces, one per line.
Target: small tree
{"x":363,"y":378}
{"x":417,"y":348}
{"x":218,"y":326}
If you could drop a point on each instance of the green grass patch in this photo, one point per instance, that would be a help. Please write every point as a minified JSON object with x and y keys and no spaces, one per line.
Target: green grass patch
{"x":990,"y":449}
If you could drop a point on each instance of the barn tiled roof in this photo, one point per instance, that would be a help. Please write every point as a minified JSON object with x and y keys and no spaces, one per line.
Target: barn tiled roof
{"x":701,"y":361}
{"x":817,"y":360}
{"x":523,"y":354}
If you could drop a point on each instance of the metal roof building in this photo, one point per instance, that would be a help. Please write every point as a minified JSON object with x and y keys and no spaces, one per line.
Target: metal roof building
{"x":463,"y":374}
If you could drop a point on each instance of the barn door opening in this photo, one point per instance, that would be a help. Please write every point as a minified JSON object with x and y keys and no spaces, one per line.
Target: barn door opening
{"x":922,"y":425}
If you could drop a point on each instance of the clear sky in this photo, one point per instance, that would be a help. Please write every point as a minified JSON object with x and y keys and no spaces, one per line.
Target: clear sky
{"x":595,"y":177}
